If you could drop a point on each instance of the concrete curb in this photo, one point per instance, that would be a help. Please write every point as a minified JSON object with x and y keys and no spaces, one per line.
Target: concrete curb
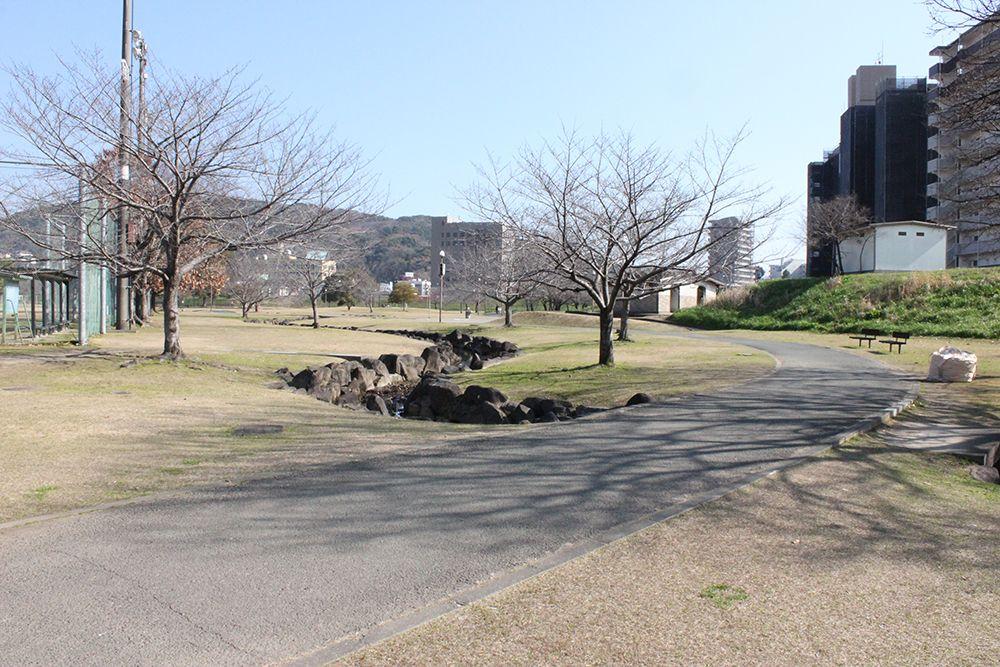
{"x":358,"y":641}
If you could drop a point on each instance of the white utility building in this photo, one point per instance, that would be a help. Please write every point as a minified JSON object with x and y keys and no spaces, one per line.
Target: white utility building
{"x":910,"y":245}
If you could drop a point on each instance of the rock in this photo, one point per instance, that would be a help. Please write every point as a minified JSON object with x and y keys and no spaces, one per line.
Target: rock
{"x":465,"y":411}
{"x":365,"y":376}
{"x":992,"y":458}
{"x":542,"y":406}
{"x":329,"y":392}
{"x":340,"y":374}
{"x":350,"y":397}
{"x":451,"y":370}
{"x":433,"y":398}
{"x":987,"y":474}
{"x":410,"y":367}
{"x":475,"y":362}
{"x":376,"y":365}
{"x":476,"y":394}
{"x":407,"y":365}
{"x":285,"y":375}
{"x":311,"y":378}
{"x":518,"y":413}
{"x":391,"y":362}
{"x":640,"y":399}
{"x":388,"y":380}
{"x":480,"y":405}
{"x":376,"y":403}
{"x":950,"y":364}
{"x":433,"y":363}
{"x":492,"y":414}
{"x":548,"y":417}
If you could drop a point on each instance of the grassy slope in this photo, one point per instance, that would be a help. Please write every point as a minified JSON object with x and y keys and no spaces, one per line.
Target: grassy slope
{"x":962,"y":303}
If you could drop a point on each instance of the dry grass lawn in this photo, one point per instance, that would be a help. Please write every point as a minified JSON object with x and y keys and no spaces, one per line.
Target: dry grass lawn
{"x":89,"y":426}
{"x":864,"y":556}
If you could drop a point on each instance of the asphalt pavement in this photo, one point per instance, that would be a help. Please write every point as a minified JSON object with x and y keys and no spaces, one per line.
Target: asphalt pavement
{"x":281,"y":567}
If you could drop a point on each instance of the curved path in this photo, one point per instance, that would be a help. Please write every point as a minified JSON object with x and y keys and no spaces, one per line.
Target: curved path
{"x":281,"y":567}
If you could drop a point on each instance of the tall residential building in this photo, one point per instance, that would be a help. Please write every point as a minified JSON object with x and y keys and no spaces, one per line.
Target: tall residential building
{"x":456,"y":237}
{"x":730,"y":253}
{"x":963,"y":162}
{"x":880,"y":159}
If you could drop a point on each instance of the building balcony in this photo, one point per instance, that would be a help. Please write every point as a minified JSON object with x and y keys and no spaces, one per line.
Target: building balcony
{"x":932,"y":189}
{"x":934,"y":142}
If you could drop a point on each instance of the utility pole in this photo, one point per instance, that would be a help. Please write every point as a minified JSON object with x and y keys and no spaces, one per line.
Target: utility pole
{"x":81,"y":298}
{"x":121,"y":317}
{"x":140,"y":50}
{"x":441,"y":269}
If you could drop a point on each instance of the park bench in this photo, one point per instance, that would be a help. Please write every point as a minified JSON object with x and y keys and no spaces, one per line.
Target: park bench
{"x":898,"y":339}
{"x":868,"y":335}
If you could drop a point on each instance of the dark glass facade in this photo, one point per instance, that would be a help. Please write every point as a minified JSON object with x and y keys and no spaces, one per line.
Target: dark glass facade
{"x":857,"y":154}
{"x":901,"y":153}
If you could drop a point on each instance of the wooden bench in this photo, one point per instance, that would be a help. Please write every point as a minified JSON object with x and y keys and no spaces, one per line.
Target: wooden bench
{"x":899,"y":339}
{"x":868,"y":335}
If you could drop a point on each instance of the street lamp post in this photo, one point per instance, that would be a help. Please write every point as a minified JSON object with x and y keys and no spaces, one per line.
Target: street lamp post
{"x":441,"y":269}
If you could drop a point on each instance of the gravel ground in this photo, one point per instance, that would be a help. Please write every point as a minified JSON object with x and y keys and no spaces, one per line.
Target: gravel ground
{"x":865,"y":555}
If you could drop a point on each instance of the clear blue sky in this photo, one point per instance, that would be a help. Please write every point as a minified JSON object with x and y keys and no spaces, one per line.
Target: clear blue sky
{"x":428,"y":87}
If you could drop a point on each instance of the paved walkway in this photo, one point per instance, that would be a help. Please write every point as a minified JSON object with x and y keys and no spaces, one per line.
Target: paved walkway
{"x":280,"y":567}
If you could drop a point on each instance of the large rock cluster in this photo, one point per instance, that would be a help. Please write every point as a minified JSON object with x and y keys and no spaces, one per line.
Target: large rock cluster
{"x":416,"y":387}
{"x":458,"y":350}
{"x":440,"y":399}
{"x":349,"y":382}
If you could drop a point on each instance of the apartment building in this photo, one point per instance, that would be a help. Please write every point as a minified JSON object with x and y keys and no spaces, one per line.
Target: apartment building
{"x":963,"y":145}
{"x":730,"y":253}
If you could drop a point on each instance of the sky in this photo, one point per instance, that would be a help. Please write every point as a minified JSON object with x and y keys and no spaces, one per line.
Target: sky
{"x":428,"y":88}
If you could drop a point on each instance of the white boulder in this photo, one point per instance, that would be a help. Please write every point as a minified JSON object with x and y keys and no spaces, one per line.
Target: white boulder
{"x":950,"y":364}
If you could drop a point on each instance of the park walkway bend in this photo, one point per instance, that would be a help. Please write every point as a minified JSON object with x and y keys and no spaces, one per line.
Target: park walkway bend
{"x":281,"y":567}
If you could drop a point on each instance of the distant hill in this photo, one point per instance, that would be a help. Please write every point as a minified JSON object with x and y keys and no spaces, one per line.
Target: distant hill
{"x":397,"y":244}
{"x":958,"y":302}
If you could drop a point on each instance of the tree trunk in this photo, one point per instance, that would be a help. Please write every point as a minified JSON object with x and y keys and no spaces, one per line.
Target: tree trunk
{"x":506,"y":315}
{"x":312,"y":302}
{"x":171,"y":322}
{"x":143,"y":305}
{"x":623,"y":324}
{"x":246,"y":309}
{"x":606,"y":356}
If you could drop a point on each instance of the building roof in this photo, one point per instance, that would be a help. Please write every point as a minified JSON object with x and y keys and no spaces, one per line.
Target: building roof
{"x":922,"y":223}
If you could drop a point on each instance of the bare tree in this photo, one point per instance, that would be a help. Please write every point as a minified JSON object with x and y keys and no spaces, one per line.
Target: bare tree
{"x":555,"y":294}
{"x":505,"y":271}
{"x":966,"y":110}
{"x":608,"y":211}
{"x":307,"y":275}
{"x":249,"y":279}
{"x":961,"y":14}
{"x":217,"y":167}
{"x":835,"y":220}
